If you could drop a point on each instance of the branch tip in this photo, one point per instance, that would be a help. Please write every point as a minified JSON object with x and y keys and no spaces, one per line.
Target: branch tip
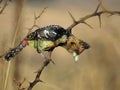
{"x":35,"y":20}
{"x":99,"y":17}
{"x":96,"y":13}
{"x":88,"y":25}
{"x":100,"y":3}
{"x":72,"y":17}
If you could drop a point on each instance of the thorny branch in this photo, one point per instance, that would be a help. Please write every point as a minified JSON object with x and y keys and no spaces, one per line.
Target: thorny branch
{"x":37,"y":78}
{"x":35,"y":19}
{"x":19,"y":84}
{"x":95,"y":13}
{"x":75,"y":22}
{"x":45,"y":63}
{"x":47,"y":60}
{"x":30,"y":29}
{"x":82,"y":20}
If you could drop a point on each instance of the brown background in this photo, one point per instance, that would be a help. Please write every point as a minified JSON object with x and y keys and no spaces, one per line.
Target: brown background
{"x":97,"y":69}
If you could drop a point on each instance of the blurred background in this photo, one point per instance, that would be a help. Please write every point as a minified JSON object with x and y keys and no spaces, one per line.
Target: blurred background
{"x":97,"y":69}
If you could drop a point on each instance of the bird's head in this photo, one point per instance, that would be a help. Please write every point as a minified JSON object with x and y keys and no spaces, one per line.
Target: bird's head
{"x":75,"y":46}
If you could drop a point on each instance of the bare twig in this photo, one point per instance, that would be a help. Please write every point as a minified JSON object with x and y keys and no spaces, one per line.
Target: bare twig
{"x":32,"y":84}
{"x":37,"y":78}
{"x":19,"y":84}
{"x":45,"y":63}
{"x":95,"y":13}
{"x":35,"y":20}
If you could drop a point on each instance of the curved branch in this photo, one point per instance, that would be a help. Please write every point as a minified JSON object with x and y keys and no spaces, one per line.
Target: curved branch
{"x":37,"y":78}
{"x":95,"y":13}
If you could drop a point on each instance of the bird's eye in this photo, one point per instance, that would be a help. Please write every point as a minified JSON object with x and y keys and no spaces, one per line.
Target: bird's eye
{"x":81,"y":42}
{"x":72,"y":43}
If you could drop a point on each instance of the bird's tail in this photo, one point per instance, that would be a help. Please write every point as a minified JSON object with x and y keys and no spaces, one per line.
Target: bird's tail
{"x":13,"y":52}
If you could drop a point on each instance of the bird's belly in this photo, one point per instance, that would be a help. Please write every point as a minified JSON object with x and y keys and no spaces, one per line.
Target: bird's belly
{"x":41,"y":45}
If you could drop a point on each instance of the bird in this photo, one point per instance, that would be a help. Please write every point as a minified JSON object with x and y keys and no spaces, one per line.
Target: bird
{"x":47,"y":39}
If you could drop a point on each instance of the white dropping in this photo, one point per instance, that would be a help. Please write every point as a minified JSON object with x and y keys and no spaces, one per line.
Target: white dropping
{"x":74,"y":54}
{"x":76,"y":57}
